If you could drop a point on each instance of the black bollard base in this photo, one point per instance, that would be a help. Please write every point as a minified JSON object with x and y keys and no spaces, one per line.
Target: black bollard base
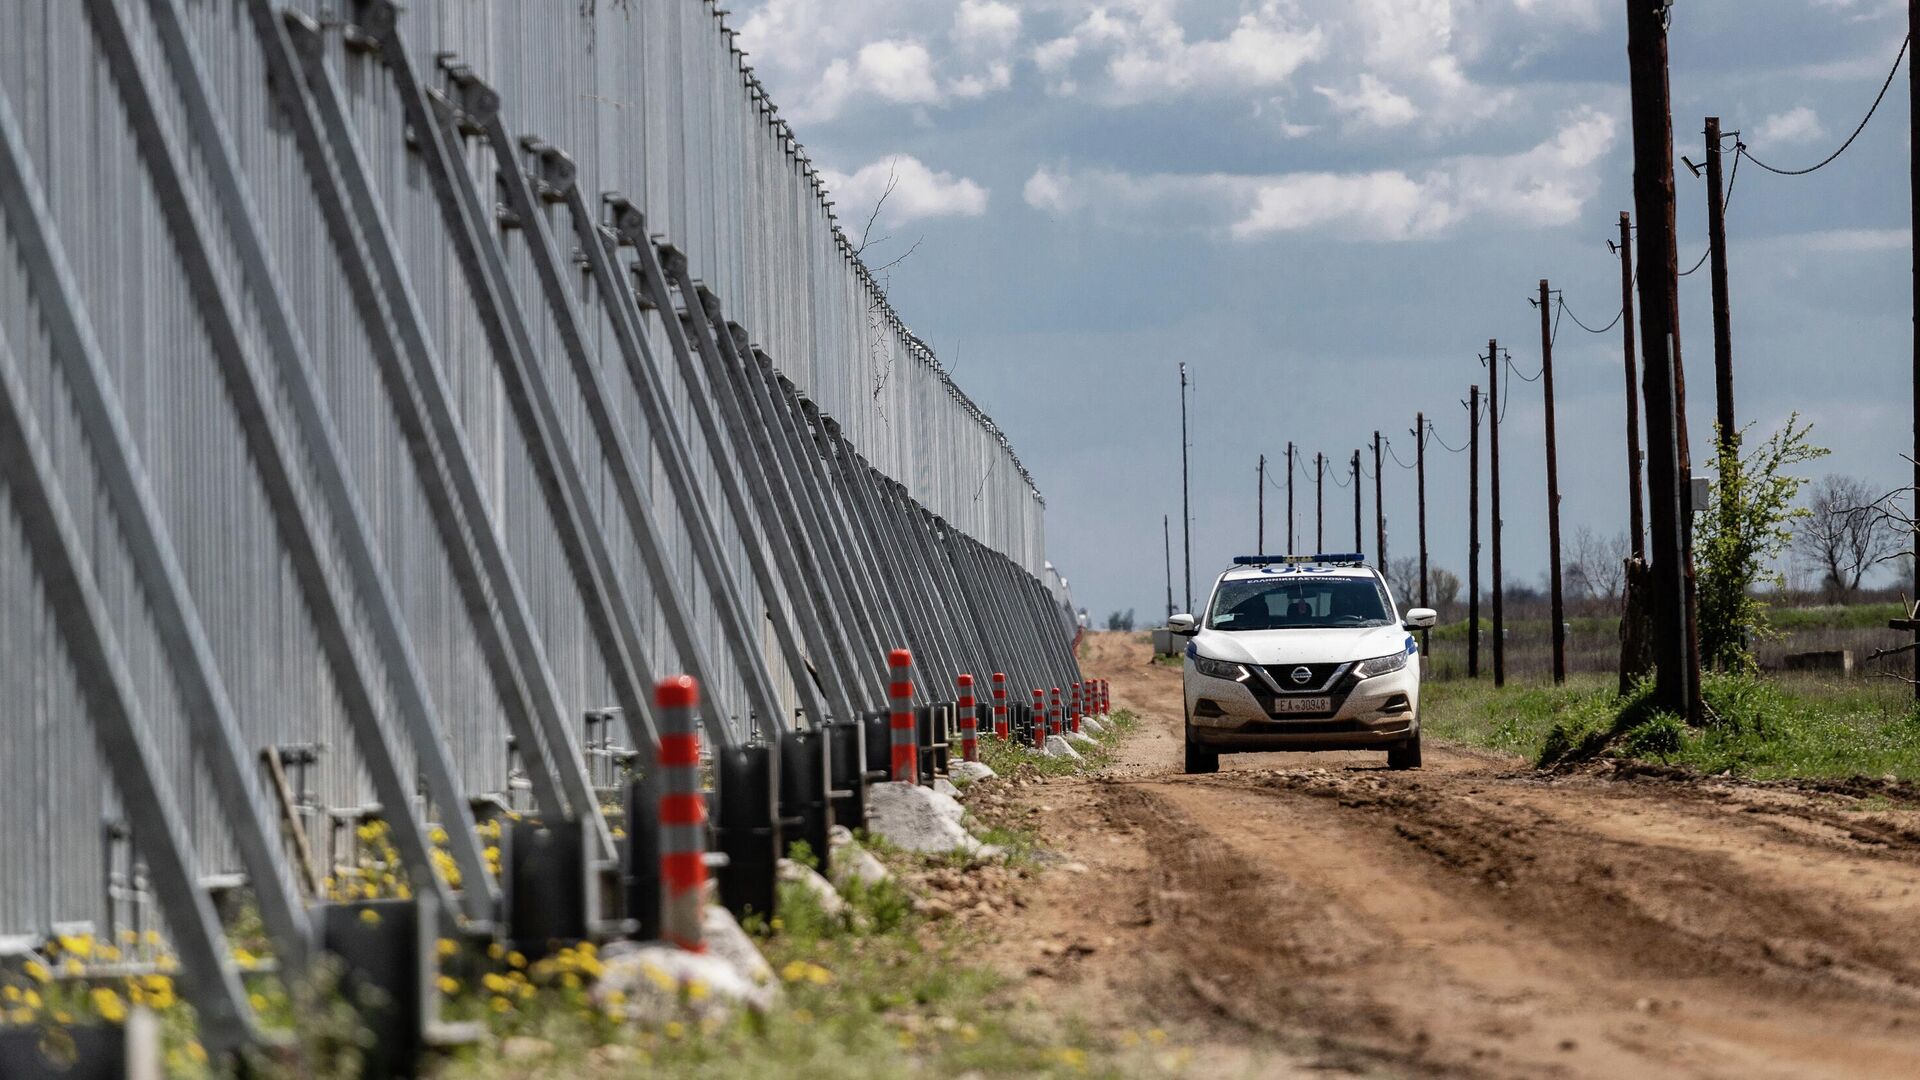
{"x":640,"y":858}
{"x":803,"y":795}
{"x":545,"y":886}
{"x":747,"y":831}
{"x":847,"y":762}
{"x":386,"y":950}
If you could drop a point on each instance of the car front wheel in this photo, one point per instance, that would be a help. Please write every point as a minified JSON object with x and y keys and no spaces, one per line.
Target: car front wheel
{"x":1406,"y":755}
{"x":1200,"y":759}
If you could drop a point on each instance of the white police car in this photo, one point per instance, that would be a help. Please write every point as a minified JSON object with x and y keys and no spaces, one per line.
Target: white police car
{"x":1302,"y":652}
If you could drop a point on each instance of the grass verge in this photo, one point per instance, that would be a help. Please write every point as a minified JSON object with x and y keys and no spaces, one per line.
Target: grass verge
{"x":1765,"y":728}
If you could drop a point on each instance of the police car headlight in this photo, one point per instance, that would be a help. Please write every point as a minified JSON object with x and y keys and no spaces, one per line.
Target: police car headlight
{"x":1382,"y":665}
{"x":1219,"y":669}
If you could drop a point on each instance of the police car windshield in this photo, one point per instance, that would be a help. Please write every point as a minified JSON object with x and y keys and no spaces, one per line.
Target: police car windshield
{"x":1304,"y":602}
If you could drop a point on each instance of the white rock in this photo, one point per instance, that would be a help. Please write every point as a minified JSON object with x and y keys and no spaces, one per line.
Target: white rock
{"x":658,"y":982}
{"x":971,"y":770}
{"x":944,"y":786}
{"x":1082,"y":738}
{"x":809,"y":879}
{"x":727,"y":940}
{"x":947,"y":805}
{"x":1092,"y":725}
{"x":1058,"y":746}
{"x":852,"y":863}
{"x":914,"y":818}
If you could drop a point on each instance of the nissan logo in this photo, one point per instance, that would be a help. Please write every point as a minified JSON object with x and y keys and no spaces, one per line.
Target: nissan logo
{"x":1301,"y":675}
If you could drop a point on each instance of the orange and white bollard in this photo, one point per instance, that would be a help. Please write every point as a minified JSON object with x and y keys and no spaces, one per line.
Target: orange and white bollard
{"x":1039,"y":719}
{"x":969,"y":720}
{"x":1106,"y":701}
{"x":683,"y":816}
{"x":1000,"y":724}
{"x":900,"y":720}
{"x":1073,"y":707}
{"x":1056,"y":715}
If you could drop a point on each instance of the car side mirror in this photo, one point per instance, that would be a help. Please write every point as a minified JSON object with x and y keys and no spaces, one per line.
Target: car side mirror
{"x":1421,"y":618}
{"x":1182,"y":624}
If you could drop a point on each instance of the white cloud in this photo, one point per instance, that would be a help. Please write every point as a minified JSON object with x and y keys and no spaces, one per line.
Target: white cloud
{"x":1796,"y":125}
{"x":1546,"y":185}
{"x":1138,"y":51}
{"x":1372,"y":105}
{"x":986,"y":24}
{"x":918,"y":192}
{"x":824,"y":57}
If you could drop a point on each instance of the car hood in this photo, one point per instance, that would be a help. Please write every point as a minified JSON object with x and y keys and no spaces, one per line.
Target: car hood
{"x":1299,"y":646}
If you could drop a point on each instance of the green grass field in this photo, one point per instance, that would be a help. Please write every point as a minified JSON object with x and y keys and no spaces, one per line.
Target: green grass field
{"x":1765,"y":728}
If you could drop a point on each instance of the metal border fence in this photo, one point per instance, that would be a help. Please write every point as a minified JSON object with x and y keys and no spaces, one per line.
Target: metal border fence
{"x":390,"y":398}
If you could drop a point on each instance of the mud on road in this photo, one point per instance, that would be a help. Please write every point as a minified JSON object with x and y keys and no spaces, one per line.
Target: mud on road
{"x":1316,"y":913}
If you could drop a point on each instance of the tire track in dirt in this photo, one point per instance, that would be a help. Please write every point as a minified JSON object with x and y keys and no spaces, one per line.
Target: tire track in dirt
{"x":1316,"y":912}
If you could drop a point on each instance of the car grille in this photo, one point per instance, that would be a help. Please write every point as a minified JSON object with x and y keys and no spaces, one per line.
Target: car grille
{"x":1282,"y":676}
{"x":1336,"y":693}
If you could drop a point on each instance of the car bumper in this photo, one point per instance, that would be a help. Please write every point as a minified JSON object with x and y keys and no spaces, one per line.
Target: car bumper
{"x":1367,"y":714}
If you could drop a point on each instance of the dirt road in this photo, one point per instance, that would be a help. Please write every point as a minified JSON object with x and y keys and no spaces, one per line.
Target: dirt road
{"x":1316,"y":912}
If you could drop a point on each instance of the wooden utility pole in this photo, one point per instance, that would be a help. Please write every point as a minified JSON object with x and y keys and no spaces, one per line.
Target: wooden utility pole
{"x":1559,"y":606}
{"x":1636,"y":508}
{"x":1379,"y":512}
{"x":1290,"y":471}
{"x":1420,"y":485}
{"x":1166,"y":534}
{"x":1319,"y":502}
{"x":1186,"y":513}
{"x":1653,"y":209}
{"x":1357,"y":545}
{"x":1260,"y":540}
{"x":1473,"y":533}
{"x":1722,"y":318}
{"x":1493,"y":480}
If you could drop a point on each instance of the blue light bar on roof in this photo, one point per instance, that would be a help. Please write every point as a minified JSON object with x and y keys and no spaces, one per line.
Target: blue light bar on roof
{"x":1324,"y":557}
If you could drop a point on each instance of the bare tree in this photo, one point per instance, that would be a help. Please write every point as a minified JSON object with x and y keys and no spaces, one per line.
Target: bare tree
{"x":1597,"y":565}
{"x":1443,"y":587}
{"x":1843,"y":534}
{"x":1403,"y":577}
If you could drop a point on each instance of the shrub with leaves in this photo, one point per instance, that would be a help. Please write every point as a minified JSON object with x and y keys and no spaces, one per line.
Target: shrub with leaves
{"x":1748,"y":525}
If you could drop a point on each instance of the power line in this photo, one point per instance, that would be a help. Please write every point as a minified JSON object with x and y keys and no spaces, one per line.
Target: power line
{"x":1434,"y":434}
{"x":1395,"y":456}
{"x":1740,"y":149}
{"x":1576,"y":319}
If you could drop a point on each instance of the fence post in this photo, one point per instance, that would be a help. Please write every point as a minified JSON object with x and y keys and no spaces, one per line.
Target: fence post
{"x":683,"y":815}
{"x":1000,"y":730}
{"x":900,"y":722}
{"x":969,"y":720}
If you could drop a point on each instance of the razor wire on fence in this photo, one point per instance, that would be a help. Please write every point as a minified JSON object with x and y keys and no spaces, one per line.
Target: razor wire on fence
{"x":392,"y":399}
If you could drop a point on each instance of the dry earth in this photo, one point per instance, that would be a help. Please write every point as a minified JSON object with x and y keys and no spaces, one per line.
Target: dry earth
{"x":1315,"y":913}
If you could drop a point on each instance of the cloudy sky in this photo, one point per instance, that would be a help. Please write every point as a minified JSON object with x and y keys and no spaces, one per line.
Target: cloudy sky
{"x":1326,"y":208}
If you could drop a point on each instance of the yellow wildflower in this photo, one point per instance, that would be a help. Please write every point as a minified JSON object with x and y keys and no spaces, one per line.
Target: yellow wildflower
{"x":10,"y":993}
{"x":500,"y":1004}
{"x":108,"y":1005}
{"x":696,"y":990}
{"x":515,"y":959}
{"x":449,"y":985}
{"x":570,"y":981}
{"x":494,"y":983}
{"x":37,"y":971}
{"x":197,"y":1053}
{"x":257,"y":1001}
{"x":368,"y":915}
{"x":496,"y":950}
{"x":447,"y":946}
{"x":245,"y":959}
{"x":675,"y":1029}
{"x":21,"y":1016}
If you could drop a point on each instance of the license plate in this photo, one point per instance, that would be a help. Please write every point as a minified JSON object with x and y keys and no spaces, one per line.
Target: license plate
{"x":1302,"y":705}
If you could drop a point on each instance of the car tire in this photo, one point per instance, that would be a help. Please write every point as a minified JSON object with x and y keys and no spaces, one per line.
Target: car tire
{"x":1406,"y":755}
{"x":1200,"y":759}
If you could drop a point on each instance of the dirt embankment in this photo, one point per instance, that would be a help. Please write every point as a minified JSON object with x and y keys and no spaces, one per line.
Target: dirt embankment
{"x":1316,"y":912}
